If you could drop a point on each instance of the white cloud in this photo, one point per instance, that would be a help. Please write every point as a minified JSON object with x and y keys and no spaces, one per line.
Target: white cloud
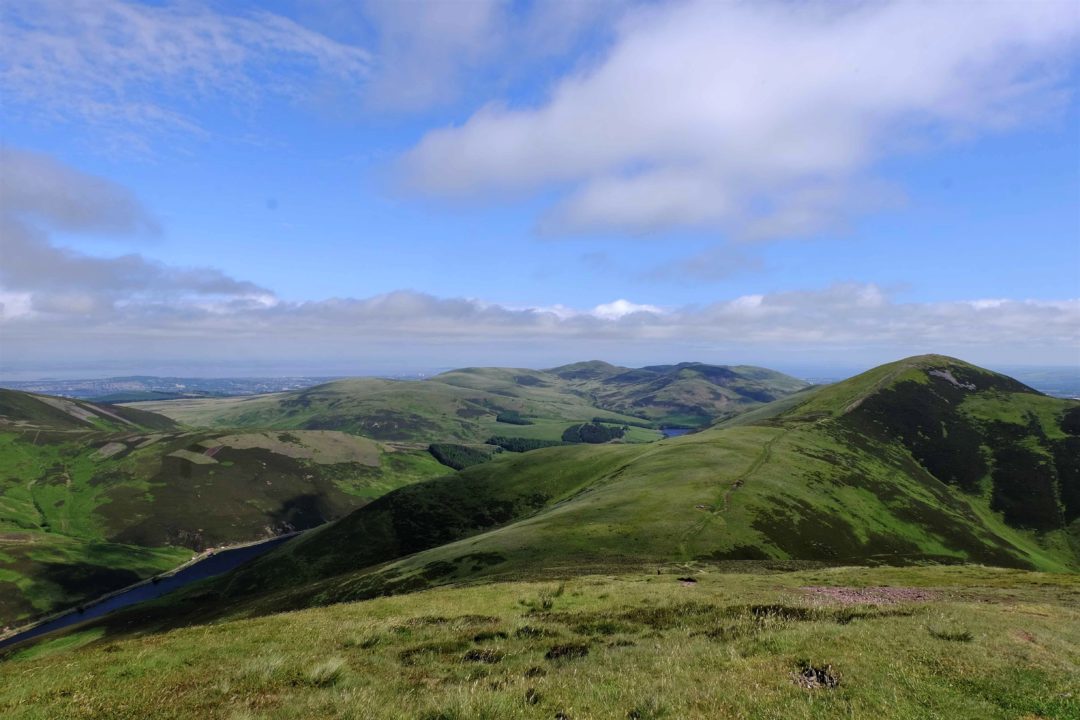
{"x":424,"y":48}
{"x":430,"y":53}
{"x":56,"y":303}
{"x":762,"y":119}
{"x":129,"y":66}
{"x":621,"y":308}
{"x":131,"y":72}
{"x":37,"y":188}
{"x":39,"y":195}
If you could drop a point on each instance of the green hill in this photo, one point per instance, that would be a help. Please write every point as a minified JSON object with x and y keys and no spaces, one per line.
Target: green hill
{"x":29,"y":411}
{"x":691,"y":394}
{"x":96,"y":497}
{"x":86,"y":485}
{"x":474,"y":404}
{"x":925,"y":460}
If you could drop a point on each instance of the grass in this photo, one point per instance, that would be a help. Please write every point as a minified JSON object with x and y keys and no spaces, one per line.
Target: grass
{"x":828,"y":488}
{"x":631,"y":645}
{"x":29,"y":410}
{"x":84,"y":512}
{"x":388,"y":410}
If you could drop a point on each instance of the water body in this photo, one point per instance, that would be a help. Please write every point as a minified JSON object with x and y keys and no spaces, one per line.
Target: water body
{"x":675,"y":432}
{"x":216,"y":564}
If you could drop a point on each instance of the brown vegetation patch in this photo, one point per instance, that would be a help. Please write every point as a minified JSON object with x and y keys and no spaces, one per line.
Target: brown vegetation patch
{"x":568,"y":651}
{"x":485,"y":655}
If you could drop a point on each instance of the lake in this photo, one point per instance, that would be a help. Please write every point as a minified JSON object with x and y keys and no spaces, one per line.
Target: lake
{"x":675,"y":432}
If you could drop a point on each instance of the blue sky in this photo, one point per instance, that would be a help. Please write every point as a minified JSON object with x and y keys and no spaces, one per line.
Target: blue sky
{"x":377,"y":185}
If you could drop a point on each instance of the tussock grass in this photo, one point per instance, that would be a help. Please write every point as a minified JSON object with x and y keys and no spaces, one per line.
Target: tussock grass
{"x":734,"y":645}
{"x":326,"y":673}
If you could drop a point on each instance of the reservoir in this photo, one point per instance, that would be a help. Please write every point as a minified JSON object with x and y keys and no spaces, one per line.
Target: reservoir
{"x":220,"y":562}
{"x":675,"y":432}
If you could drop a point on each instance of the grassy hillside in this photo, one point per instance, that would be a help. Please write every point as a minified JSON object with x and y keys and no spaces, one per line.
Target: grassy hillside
{"x":91,"y":500}
{"x":864,"y":471}
{"x":474,"y":404}
{"x":29,"y":411}
{"x":888,"y":643}
{"x":397,"y":410}
{"x":689,"y":394}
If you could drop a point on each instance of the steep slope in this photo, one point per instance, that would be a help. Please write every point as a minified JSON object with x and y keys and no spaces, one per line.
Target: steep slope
{"x":876,"y":469}
{"x":93,"y":498}
{"x":22,"y":410}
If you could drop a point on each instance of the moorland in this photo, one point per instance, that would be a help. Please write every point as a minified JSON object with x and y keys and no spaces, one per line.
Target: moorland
{"x":901,"y":544}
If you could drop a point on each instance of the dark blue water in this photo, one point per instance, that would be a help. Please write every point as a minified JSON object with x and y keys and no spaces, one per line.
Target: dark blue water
{"x":675,"y":432}
{"x":216,"y":564}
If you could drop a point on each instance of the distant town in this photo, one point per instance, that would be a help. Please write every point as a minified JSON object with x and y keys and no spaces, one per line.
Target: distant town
{"x":145,"y":387}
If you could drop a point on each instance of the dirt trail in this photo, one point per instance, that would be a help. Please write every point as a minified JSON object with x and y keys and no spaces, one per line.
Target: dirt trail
{"x":725,"y":501}
{"x":763,"y":457}
{"x":43,"y":520}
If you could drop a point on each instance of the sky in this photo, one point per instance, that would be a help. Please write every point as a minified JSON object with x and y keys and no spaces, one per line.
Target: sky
{"x":333,"y":188}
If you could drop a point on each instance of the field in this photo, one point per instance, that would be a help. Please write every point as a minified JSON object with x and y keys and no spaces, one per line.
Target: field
{"x":664,"y":642}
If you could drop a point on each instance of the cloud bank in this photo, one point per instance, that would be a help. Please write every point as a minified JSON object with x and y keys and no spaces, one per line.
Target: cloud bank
{"x":759,"y":119}
{"x":847,"y":323}
{"x":38,"y":279}
{"x":61,"y":310}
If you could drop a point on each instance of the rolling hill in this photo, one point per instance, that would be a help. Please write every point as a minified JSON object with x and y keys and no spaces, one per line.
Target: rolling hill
{"x":925,"y":460}
{"x":690,"y":394}
{"x":96,"y":497}
{"x":473,"y":404}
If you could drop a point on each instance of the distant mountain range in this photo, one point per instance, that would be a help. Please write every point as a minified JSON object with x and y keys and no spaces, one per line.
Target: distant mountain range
{"x":1057,"y":381}
{"x":473,"y":404}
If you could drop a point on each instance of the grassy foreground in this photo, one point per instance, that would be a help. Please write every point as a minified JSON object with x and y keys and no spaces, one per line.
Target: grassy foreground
{"x":957,"y":642}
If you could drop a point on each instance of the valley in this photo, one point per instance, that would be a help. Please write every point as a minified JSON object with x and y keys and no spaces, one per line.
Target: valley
{"x":96,"y":496}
